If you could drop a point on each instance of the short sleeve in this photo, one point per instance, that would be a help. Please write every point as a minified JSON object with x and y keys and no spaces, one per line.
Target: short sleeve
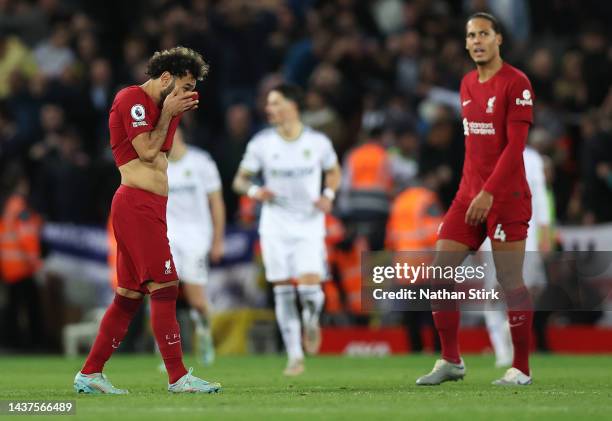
{"x":212,"y":180}
{"x":252,"y":159}
{"x":328,"y":156}
{"x":133,"y":113}
{"x":520,"y":101}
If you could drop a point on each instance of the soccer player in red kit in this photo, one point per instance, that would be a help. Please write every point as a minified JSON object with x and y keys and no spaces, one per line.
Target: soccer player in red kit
{"x":142,"y":123}
{"x":493,"y":198}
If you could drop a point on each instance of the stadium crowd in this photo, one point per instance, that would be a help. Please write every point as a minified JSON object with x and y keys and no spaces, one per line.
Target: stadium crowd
{"x":390,"y":65}
{"x":383,"y":73}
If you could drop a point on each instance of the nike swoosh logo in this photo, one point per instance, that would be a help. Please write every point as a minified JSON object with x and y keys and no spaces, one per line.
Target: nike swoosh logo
{"x":464,"y":103}
{"x":515,"y":324}
{"x":175,"y":342}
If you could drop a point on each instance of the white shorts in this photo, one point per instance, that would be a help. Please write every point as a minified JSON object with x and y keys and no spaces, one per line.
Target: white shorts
{"x":288,"y":258}
{"x":191,"y":266}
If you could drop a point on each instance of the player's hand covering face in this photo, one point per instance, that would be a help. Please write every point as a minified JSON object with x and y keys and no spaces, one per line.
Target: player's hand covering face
{"x":182,"y":97}
{"x":481,"y":40}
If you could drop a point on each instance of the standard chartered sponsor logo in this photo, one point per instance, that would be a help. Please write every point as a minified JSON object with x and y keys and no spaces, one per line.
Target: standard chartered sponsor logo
{"x":477,"y":128}
{"x":292,"y":172}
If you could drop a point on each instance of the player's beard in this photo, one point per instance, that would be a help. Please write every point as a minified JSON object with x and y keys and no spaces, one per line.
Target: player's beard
{"x":483,"y":61}
{"x":166,"y":92}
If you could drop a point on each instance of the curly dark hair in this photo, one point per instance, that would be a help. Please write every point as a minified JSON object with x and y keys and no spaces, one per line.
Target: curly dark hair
{"x":178,"y":61}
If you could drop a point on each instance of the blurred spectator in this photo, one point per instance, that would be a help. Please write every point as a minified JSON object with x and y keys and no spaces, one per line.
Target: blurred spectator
{"x":64,"y":175}
{"x":363,"y":64}
{"x":404,"y":158}
{"x":27,"y":21}
{"x":20,"y":260}
{"x":228,"y":150}
{"x":134,"y":55}
{"x":416,"y":214}
{"x":541,"y":68}
{"x":54,"y":55}
{"x":14,"y":57}
{"x":570,"y":89}
{"x":100,"y":95}
{"x":320,"y":116}
{"x":407,"y":45}
{"x":597,"y":169}
{"x":442,"y":154}
{"x":87,"y":48}
{"x":597,"y":65}
{"x":10,"y":144}
{"x":366,"y":189}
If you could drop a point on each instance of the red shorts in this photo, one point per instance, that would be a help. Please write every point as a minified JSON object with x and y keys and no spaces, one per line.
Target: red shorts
{"x":143,"y":250}
{"x":506,"y":221}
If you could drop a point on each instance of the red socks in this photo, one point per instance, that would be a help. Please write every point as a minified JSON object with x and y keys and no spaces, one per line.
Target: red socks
{"x":447,"y":324}
{"x":167,"y":332}
{"x":115,"y":324}
{"x":520,"y":317}
{"x":112,"y":330}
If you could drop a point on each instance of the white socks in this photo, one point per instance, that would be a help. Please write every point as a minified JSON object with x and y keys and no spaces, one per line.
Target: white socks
{"x":288,"y":320}
{"x":499,"y":333}
{"x":312,"y":299}
{"x":199,"y":321}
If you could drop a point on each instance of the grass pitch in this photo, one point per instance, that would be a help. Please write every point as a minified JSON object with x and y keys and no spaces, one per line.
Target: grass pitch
{"x":335,"y":388}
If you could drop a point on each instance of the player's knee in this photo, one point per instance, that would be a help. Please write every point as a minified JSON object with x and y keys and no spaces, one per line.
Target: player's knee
{"x":287,"y":282}
{"x":128,"y":304}
{"x":309,"y":279}
{"x":167,"y":292}
{"x":128,"y":293}
{"x":153,"y":286}
{"x":510,"y":281}
{"x":198,"y":302}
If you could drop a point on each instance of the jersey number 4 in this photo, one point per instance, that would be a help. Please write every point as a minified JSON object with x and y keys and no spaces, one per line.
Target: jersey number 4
{"x":499,"y":233}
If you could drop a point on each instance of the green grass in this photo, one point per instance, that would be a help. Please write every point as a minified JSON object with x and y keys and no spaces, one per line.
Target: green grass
{"x":566,"y":387}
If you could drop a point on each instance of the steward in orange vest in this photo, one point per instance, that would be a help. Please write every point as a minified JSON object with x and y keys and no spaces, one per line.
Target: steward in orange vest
{"x":19,"y":240}
{"x":19,"y":261}
{"x":413,"y":223}
{"x":366,"y":190}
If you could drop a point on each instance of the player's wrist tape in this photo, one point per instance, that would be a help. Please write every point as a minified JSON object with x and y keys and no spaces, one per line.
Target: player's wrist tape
{"x":329,"y":193}
{"x":252,"y":191}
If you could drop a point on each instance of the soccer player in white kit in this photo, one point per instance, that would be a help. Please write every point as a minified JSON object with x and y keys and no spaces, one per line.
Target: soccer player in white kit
{"x":292,"y":159}
{"x":196,"y":225}
{"x":538,"y":240}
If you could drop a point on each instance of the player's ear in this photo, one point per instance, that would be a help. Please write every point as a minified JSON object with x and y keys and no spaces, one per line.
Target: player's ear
{"x":166,"y":79}
{"x":499,"y":39}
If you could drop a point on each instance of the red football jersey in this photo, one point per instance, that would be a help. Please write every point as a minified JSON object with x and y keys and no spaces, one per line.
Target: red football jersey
{"x":134,"y":112}
{"x":487,"y":108}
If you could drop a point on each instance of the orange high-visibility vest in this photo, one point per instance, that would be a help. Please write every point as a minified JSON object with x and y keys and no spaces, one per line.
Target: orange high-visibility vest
{"x":19,"y":241}
{"x":334,"y":233}
{"x":414,"y":219}
{"x":367,"y":180}
{"x":349,"y":269}
{"x":368,"y":168}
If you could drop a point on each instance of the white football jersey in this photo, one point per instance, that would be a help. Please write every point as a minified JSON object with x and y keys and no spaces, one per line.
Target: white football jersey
{"x":292,"y":170}
{"x":191,"y":179}
{"x":540,"y":213}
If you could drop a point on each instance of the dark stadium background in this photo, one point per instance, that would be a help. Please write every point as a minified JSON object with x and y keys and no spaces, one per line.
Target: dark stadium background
{"x":370,"y":69}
